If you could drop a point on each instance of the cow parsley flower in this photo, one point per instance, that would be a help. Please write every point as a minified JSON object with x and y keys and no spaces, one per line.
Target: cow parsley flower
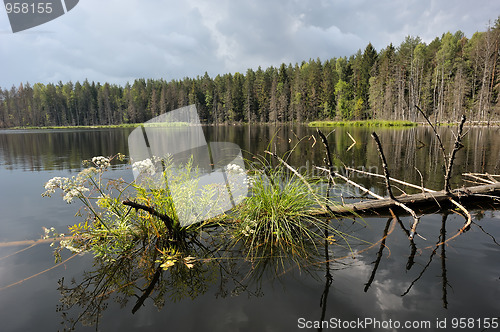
{"x":145,"y":167}
{"x":74,"y":192}
{"x":234,"y":169}
{"x":101,"y":162}
{"x":53,"y":184}
{"x":70,"y":187}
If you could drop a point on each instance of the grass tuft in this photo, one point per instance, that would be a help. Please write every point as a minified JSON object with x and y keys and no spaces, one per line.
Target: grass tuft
{"x":278,"y":218}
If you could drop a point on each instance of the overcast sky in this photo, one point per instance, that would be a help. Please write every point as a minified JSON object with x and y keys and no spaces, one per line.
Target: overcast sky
{"x":120,"y":40}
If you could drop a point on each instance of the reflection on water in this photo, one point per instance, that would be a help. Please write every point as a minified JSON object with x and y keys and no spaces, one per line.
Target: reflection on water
{"x":387,"y":277}
{"x":43,"y":150}
{"x":36,"y":150}
{"x":383,"y":275}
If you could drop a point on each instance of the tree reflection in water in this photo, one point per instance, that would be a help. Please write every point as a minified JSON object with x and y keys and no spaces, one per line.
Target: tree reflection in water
{"x":138,"y":276}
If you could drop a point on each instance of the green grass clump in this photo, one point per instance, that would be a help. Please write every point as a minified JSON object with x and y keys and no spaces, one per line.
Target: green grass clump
{"x":364,"y":123}
{"x":278,"y":218}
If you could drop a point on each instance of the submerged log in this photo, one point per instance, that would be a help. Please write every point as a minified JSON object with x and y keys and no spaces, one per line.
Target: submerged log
{"x":421,"y":201}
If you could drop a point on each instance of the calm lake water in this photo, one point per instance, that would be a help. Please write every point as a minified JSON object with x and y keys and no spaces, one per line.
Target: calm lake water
{"x":382,"y":282}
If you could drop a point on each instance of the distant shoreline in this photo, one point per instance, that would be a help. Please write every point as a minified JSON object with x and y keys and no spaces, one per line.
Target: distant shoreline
{"x":396,"y":123}
{"x":313,"y":124}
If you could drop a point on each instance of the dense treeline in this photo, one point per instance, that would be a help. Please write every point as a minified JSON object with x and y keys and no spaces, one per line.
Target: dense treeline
{"x":450,"y":76}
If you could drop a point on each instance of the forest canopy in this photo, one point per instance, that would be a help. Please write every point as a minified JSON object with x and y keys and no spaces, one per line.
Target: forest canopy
{"x":450,"y":76}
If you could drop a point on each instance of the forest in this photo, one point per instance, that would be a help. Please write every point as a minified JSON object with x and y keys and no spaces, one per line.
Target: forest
{"x":448,"y":77}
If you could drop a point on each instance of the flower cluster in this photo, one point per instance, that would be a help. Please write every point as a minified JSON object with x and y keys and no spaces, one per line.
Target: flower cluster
{"x":234,"y":169}
{"x":72,"y":188}
{"x":101,"y":162}
{"x":249,"y":181}
{"x":53,"y":184}
{"x":145,"y":167}
{"x":47,"y":232}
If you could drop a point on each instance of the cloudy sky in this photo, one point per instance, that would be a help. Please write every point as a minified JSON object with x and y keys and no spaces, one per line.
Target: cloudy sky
{"x":120,"y":40}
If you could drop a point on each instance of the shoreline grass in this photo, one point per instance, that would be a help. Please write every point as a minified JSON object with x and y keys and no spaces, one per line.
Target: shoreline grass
{"x":314,"y":124}
{"x":123,"y":125}
{"x":364,"y":123}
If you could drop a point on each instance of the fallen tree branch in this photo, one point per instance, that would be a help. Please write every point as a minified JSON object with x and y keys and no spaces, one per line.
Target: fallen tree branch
{"x":464,"y":194}
{"x":469,"y":217}
{"x":350,"y":182}
{"x":392,"y":179}
{"x":165,"y":218}
{"x":478,"y":177}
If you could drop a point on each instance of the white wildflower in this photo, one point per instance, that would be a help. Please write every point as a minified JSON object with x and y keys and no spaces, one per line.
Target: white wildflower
{"x":86,"y":173}
{"x":53,"y":184}
{"x":145,"y":166}
{"x":249,"y":181}
{"x":234,"y":169}
{"x":74,"y":192}
{"x":46,"y":232}
{"x":101,"y":162}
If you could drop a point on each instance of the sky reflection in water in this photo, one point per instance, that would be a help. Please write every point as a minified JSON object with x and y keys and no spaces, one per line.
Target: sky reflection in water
{"x":472,"y":272}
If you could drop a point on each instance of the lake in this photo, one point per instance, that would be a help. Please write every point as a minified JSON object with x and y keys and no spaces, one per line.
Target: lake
{"x":378,"y":283}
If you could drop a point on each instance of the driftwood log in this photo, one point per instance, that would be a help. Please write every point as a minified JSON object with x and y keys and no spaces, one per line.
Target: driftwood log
{"x":421,"y":202}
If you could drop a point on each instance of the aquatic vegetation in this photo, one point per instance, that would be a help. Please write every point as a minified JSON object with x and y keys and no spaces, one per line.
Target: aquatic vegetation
{"x":279,"y":217}
{"x":364,"y":123}
{"x":112,"y":229}
{"x":140,"y":248}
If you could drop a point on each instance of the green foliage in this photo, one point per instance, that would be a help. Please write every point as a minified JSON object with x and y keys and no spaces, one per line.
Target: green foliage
{"x":344,"y":95}
{"x":278,"y":219}
{"x":140,"y":253}
{"x":111,"y":229}
{"x":364,"y":123}
{"x":450,"y":76}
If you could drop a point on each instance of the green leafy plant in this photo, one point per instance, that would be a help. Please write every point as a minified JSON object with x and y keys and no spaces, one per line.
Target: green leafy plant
{"x":112,"y":228}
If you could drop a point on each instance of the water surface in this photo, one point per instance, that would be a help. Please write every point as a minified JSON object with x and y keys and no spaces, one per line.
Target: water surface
{"x":461,"y":279}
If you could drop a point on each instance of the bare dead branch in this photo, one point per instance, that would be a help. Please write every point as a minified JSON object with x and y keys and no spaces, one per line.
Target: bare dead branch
{"x":435,"y":133}
{"x":329,"y":161}
{"x":490,"y":179}
{"x":384,"y":165}
{"x":458,"y":145}
{"x":469,"y":217}
{"x":416,"y":219}
{"x":350,"y":182}
{"x":392,"y":179}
